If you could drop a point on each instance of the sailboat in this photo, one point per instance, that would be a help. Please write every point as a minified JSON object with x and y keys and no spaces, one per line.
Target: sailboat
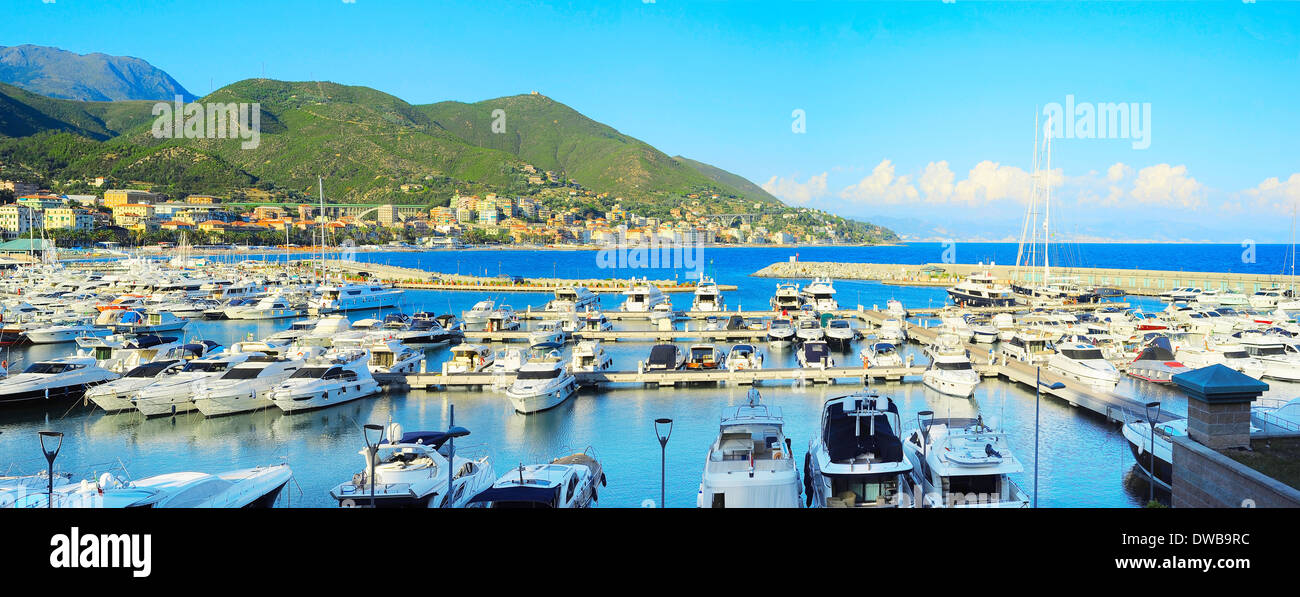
{"x":1043,"y":288}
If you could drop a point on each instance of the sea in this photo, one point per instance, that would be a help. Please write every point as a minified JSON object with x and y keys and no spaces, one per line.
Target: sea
{"x":1073,"y":456}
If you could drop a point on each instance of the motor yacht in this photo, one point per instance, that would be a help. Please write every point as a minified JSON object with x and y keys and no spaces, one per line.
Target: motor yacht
{"x":66,"y":378}
{"x":1029,"y":346}
{"x":744,"y":356}
{"x":567,"y":482}
{"x":135,"y":322}
{"x":173,"y":394}
{"x":595,"y":321}
{"x":881,"y":355}
{"x":1083,"y":361}
{"x":573,"y":299}
{"x":424,"y":329}
{"x":950,"y":371}
{"x":503,"y":318}
{"x":982,"y":290}
{"x":541,"y":384}
{"x":547,"y":334}
{"x":392,"y":356}
{"x":809,"y":329}
{"x":1154,"y":452}
{"x":704,"y":356}
{"x":820,"y":293}
{"x":665,"y":357}
{"x":643,"y":297}
{"x":780,"y":332}
{"x":751,"y":463}
{"x":412,"y":469}
{"x":351,"y":297}
{"x":856,"y":459}
{"x":708,"y":298}
{"x":840,"y":333}
{"x":815,"y":354}
{"x":892,"y":330}
{"x":479,"y":313}
{"x":961,"y":463}
{"x":247,"y":386}
{"x":335,"y":377}
{"x":257,"y":487}
{"x":1156,"y":363}
{"x":590,"y":355}
{"x":64,"y":332}
{"x":786,"y":299}
{"x":468,"y":358}
{"x":1279,"y":358}
{"x":1220,"y":351}
{"x":274,"y":306}
{"x":118,"y":395}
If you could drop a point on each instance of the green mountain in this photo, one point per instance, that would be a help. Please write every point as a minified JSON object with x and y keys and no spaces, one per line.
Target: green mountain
{"x":372,"y":147}
{"x":57,"y":73}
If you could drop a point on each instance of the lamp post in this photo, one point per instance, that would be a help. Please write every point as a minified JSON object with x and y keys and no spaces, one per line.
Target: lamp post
{"x":663,"y":436}
{"x":1151,"y":434}
{"x":1038,"y":399}
{"x":50,"y":455}
{"x":454,"y":432}
{"x":371,"y":449}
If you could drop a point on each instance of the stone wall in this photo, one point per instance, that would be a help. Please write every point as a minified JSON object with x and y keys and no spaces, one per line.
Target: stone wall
{"x":1204,"y":478}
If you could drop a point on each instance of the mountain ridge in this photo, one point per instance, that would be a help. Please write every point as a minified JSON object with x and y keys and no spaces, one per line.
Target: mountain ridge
{"x":60,"y":74}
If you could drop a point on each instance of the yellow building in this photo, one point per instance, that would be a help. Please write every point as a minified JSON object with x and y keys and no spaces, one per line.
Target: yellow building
{"x":116,"y":197}
{"x":17,"y":219}
{"x":130,"y":214}
{"x":69,"y":218}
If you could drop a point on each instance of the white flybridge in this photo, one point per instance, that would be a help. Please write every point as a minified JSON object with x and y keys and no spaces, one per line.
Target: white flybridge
{"x":751,"y":463}
{"x":1030,"y":255}
{"x":962,"y":463}
{"x":708,"y":297}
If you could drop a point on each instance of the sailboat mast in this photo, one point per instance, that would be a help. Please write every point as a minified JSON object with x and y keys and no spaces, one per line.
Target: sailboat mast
{"x":1047,"y":206}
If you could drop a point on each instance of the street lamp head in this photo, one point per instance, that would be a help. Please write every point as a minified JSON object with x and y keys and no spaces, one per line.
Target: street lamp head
{"x":1155,"y":404}
{"x":51,"y":436}
{"x":661,"y":432}
{"x":1053,"y":386}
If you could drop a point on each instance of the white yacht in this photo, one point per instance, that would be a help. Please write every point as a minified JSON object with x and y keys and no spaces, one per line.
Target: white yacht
{"x":744,"y":356}
{"x":840,"y":333}
{"x":595,"y":321}
{"x":174,"y":393}
{"x":335,"y":377}
{"x":1267,"y":298}
{"x":751,"y":463}
{"x":643,"y":298}
{"x":708,"y":298}
{"x":54,"y":379}
{"x":468,"y":358}
{"x":412,"y":470}
{"x":66,"y":332}
{"x":392,"y":356}
{"x":962,"y":463}
{"x":567,"y":482}
{"x":590,"y":355}
{"x":547,"y":334}
{"x":892,"y":330}
{"x":572,"y":299}
{"x":780,"y":332}
{"x":809,"y":329}
{"x":117,"y":395}
{"x":982,"y":290}
{"x":245,"y":387}
{"x":256,"y":487}
{"x":950,"y":371}
{"x":856,"y":460}
{"x":275,"y":306}
{"x":881,"y":355}
{"x":1220,"y":351}
{"x":541,"y":384}
{"x":1084,"y":362}
{"x":479,"y":313}
{"x":1028,"y":346}
{"x":135,"y":322}
{"x":786,"y":298}
{"x":1279,"y":358}
{"x":350,"y":297}
{"x":820,"y":293}
{"x":1154,"y":454}
{"x":815,"y":354}
{"x":503,"y":318}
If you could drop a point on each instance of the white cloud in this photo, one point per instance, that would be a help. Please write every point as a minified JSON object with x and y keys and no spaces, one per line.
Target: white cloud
{"x":881,"y":186}
{"x":936,"y":181}
{"x":1273,"y":194}
{"x":1163,"y":184}
{"x":990,"y":181}
{"x":790,"y":189}
{"x":1118,"y":172}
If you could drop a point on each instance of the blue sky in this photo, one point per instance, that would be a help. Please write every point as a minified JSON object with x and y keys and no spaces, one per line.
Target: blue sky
{"x":919,"y":115}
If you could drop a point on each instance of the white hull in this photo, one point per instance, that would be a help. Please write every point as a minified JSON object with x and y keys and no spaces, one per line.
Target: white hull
{"x":962,"y":386}
{"x":531,"y":403}
{"x":309,"y":399}
{"x":220,"y":403}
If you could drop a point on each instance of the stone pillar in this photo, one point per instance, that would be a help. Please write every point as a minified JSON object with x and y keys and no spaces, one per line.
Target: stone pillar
{"x":1218,"y":405}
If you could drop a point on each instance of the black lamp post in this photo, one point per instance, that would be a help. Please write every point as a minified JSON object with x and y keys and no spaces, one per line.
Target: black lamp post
{"x":50,"y":455}
{"x":663,"y":434}
{"x":372,"y":449}
{"x":1151,"y":434}
{"x":1038,"y":399}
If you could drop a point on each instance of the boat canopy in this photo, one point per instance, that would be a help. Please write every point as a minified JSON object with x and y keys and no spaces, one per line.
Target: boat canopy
{"x":520,"y":496}
{"x":664,"y":354}
{"x":434,"y":439}
{"x":1158,"y":350}
{"x":848,"y":436}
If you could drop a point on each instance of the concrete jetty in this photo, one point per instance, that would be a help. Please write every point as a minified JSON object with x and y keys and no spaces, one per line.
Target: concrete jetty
{"x":1141,"y":282}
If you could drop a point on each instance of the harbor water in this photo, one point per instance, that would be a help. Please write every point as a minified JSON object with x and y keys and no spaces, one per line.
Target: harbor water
{"x":1083,"y":460}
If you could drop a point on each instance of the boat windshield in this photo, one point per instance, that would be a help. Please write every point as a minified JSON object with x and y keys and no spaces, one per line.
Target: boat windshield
{"x":206,"y":366}
{"x":1082,"y":354}
{"x":243,"y":373}
{"x":149,"y":369}
{"x":962,"y":366}
{"x":535,"y":374}
{"x":1269,"y":350}
{"x":51,"y":368}
{"x":310,"y":373}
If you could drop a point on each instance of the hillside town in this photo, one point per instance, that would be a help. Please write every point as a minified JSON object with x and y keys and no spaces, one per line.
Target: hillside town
{"x":140,"y":217}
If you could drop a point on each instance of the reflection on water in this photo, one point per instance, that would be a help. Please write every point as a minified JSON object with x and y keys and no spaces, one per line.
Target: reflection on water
{"x":1083,"y":459}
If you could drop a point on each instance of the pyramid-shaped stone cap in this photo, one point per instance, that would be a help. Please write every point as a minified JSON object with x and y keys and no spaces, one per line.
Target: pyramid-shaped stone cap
{"x":1220,"y":384}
